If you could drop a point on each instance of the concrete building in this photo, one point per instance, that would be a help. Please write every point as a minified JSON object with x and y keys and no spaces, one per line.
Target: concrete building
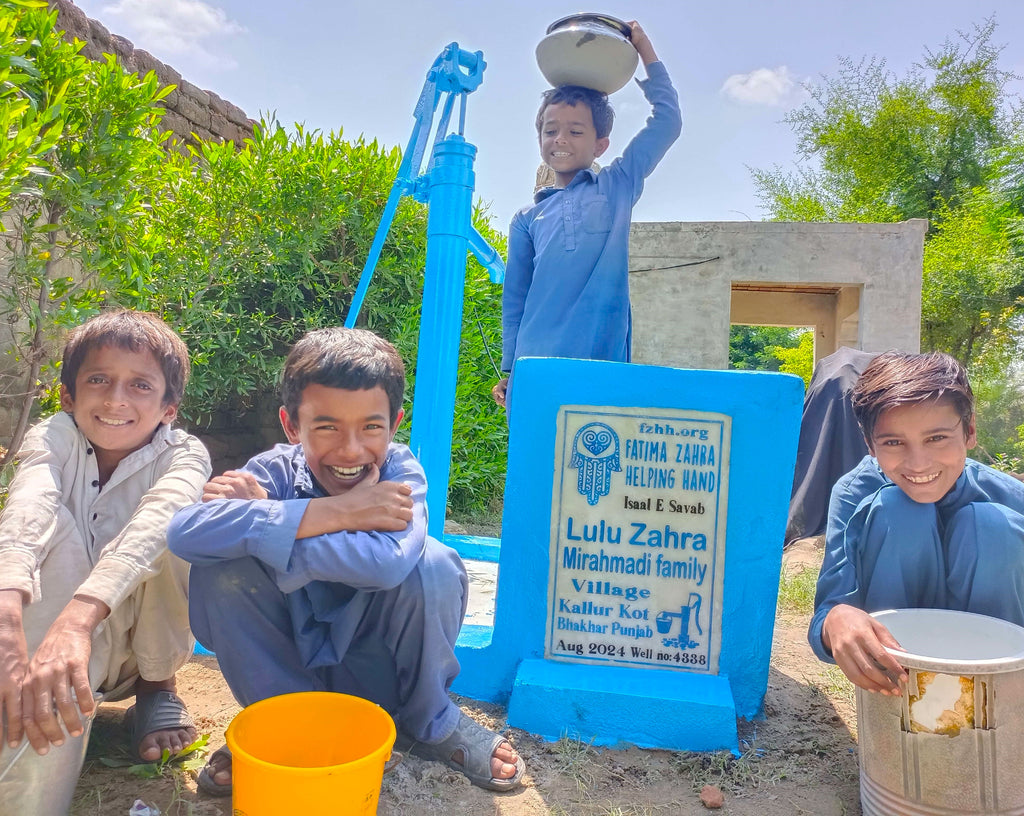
{"x":856,"y":285}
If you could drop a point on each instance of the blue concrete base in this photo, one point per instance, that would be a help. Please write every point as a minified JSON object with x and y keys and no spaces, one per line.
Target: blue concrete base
{"x":475,"y":548}
{"x":609,"y":705}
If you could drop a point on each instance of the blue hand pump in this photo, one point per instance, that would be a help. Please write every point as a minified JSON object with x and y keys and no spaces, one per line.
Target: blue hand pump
{"x":447,"y":185}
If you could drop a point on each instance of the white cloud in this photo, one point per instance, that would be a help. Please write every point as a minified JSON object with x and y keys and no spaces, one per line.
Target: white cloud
{"x":762,"y":86}
{"x":172,"y":27}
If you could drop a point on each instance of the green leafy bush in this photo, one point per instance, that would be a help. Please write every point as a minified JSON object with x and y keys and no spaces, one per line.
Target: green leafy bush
{"x":252,"y":247}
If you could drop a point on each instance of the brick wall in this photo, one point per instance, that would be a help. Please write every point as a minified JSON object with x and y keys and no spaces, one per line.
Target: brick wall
{"x":190,"y":110}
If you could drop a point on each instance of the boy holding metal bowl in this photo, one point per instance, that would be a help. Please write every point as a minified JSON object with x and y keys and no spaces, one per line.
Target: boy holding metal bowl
{"x":916,"y":525}
{"x":566,"y":290}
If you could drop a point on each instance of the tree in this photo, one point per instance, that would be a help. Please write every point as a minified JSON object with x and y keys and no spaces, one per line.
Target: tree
{"x":944,"y":142}
{"x":973,"y":287}
{"x":752,"y":348}
{"x":73,"y":217}
{"x":874,"y":147}
{"x":30,"y":115}
{"x":241,"y":247}
{"x":798,"y":360}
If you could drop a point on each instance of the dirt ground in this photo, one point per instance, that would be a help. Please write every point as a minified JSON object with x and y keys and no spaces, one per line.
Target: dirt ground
{"x":799,"y":759}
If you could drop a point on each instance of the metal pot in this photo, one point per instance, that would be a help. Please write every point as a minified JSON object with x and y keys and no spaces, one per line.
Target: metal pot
{"x":590,"y":50}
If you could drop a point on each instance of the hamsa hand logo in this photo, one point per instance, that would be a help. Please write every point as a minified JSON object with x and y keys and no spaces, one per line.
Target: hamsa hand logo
{"x":595,"y":454}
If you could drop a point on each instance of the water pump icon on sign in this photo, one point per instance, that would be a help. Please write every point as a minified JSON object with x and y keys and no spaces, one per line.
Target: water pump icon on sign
{"x":685,"y":614}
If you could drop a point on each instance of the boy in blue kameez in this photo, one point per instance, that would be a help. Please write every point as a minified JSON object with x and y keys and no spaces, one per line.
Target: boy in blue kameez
{"x":566,"y":291}
{"x":313,"y":571}
{"x":916,"y":524}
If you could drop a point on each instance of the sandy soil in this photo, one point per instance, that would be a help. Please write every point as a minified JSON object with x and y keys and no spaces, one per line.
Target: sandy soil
{"x":799,"y":759}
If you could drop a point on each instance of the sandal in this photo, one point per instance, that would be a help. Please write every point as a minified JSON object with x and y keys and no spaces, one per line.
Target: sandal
{"x":205,"y":780}
{"x":478,"y":745}
{"x":158,"y":711}
{"x":208,"y":785}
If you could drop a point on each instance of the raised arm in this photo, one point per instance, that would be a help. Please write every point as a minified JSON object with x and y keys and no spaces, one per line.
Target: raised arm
{"x":664,"y":125}
{"x":642,"y":43}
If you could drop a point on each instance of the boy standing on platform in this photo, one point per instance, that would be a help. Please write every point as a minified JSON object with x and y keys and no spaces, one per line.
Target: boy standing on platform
{"x":566,"y":291}
{"x":916,"y":524}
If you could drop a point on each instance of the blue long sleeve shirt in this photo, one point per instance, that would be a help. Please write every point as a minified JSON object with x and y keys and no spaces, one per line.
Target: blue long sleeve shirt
{"x":848,"y":508}
{"x":566,"y":291}
{"x":327,"y":578}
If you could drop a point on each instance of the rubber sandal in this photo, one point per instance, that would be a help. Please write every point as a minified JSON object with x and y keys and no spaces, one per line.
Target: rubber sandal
{"x":478,"y":745}
{"x":205,"y":781}
{"x":159,"y":711}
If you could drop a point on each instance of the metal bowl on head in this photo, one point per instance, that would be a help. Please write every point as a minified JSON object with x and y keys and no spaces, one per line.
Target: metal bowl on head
{"x":590,"y":50}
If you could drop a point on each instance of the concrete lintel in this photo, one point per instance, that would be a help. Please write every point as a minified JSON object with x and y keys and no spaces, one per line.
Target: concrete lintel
{"x":609,"y":705}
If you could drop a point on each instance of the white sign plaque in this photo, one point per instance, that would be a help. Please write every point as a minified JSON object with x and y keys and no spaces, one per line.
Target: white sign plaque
{"x":638,"y":537}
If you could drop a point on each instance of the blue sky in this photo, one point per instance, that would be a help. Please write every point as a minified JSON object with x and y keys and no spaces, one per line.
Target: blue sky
{"x":738,"y":66}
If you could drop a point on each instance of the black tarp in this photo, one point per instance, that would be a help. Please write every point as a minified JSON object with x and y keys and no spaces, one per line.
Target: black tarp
{"x":830,"y":440}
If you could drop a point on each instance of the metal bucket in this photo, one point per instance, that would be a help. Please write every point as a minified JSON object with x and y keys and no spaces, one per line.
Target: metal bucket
{"x":952,"y":744}
{"x":590,"y":50}
{"x":42,"y":785}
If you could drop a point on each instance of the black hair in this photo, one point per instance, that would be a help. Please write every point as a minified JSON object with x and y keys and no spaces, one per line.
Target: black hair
{"x":353,"y":359}
{"x":899,"y":378}
{"x":601,"y":111}
{"x":132,"y":331}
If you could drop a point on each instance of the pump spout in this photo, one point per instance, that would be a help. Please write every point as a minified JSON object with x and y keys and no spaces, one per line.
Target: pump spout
{"x":487,"y":256}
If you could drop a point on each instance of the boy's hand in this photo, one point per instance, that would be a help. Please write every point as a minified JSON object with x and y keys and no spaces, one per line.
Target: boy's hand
{"x":643,"y":46}
{"x":858,"y":643}
{"x":500,"y":391}
{"x":13,"y":665}
{"x":60,"y":666}
{"x":233,"y":484}
{"x":375,"y":505}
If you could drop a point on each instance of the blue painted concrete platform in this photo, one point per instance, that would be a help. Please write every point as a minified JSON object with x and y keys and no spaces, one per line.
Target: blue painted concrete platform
{"x":609,"y":704}
{"x":612,"y":705}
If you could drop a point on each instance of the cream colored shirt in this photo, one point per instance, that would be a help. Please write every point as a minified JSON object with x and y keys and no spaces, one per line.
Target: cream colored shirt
{"x":117,"y":533}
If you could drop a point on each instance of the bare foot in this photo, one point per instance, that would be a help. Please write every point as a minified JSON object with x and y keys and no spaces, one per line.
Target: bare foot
{"x":218,"y":768}
{"x":153,"y":744}
{"x":503,"y":761}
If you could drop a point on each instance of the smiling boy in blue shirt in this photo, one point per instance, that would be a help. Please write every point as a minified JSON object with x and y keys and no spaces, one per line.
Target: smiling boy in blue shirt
{"x":566,"y":291}
{"x":312,"y":567}
{"x":916,"y":524}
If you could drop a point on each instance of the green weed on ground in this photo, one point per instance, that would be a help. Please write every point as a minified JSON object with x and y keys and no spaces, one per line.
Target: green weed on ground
{"x":574,"y":757}
{"x":830,"y":681}
{"x":796,"y":591}
{"x":728,"y":772}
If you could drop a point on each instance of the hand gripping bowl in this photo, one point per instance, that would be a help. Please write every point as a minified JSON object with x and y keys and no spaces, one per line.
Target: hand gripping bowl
{"x":590,"y":50}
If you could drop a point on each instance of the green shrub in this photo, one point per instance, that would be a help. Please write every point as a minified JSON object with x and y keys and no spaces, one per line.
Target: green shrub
{"x":252,"y":247}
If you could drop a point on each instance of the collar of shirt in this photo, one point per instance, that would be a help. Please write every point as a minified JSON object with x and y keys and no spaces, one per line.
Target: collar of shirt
{"x":546,"y":192}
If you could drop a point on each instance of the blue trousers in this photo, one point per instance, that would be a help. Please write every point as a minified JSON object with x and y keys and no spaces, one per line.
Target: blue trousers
{"x":401,"y":654}
{"x":911,"y":557}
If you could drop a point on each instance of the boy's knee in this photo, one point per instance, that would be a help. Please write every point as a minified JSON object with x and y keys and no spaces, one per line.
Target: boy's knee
{"x":897,"y":507}
{"x":441,"y":566}
{"x":991,"y":528}
{"x":901,"y":515}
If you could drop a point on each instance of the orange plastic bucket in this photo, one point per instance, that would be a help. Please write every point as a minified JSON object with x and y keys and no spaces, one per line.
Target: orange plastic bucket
{"x":311,"y":752}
